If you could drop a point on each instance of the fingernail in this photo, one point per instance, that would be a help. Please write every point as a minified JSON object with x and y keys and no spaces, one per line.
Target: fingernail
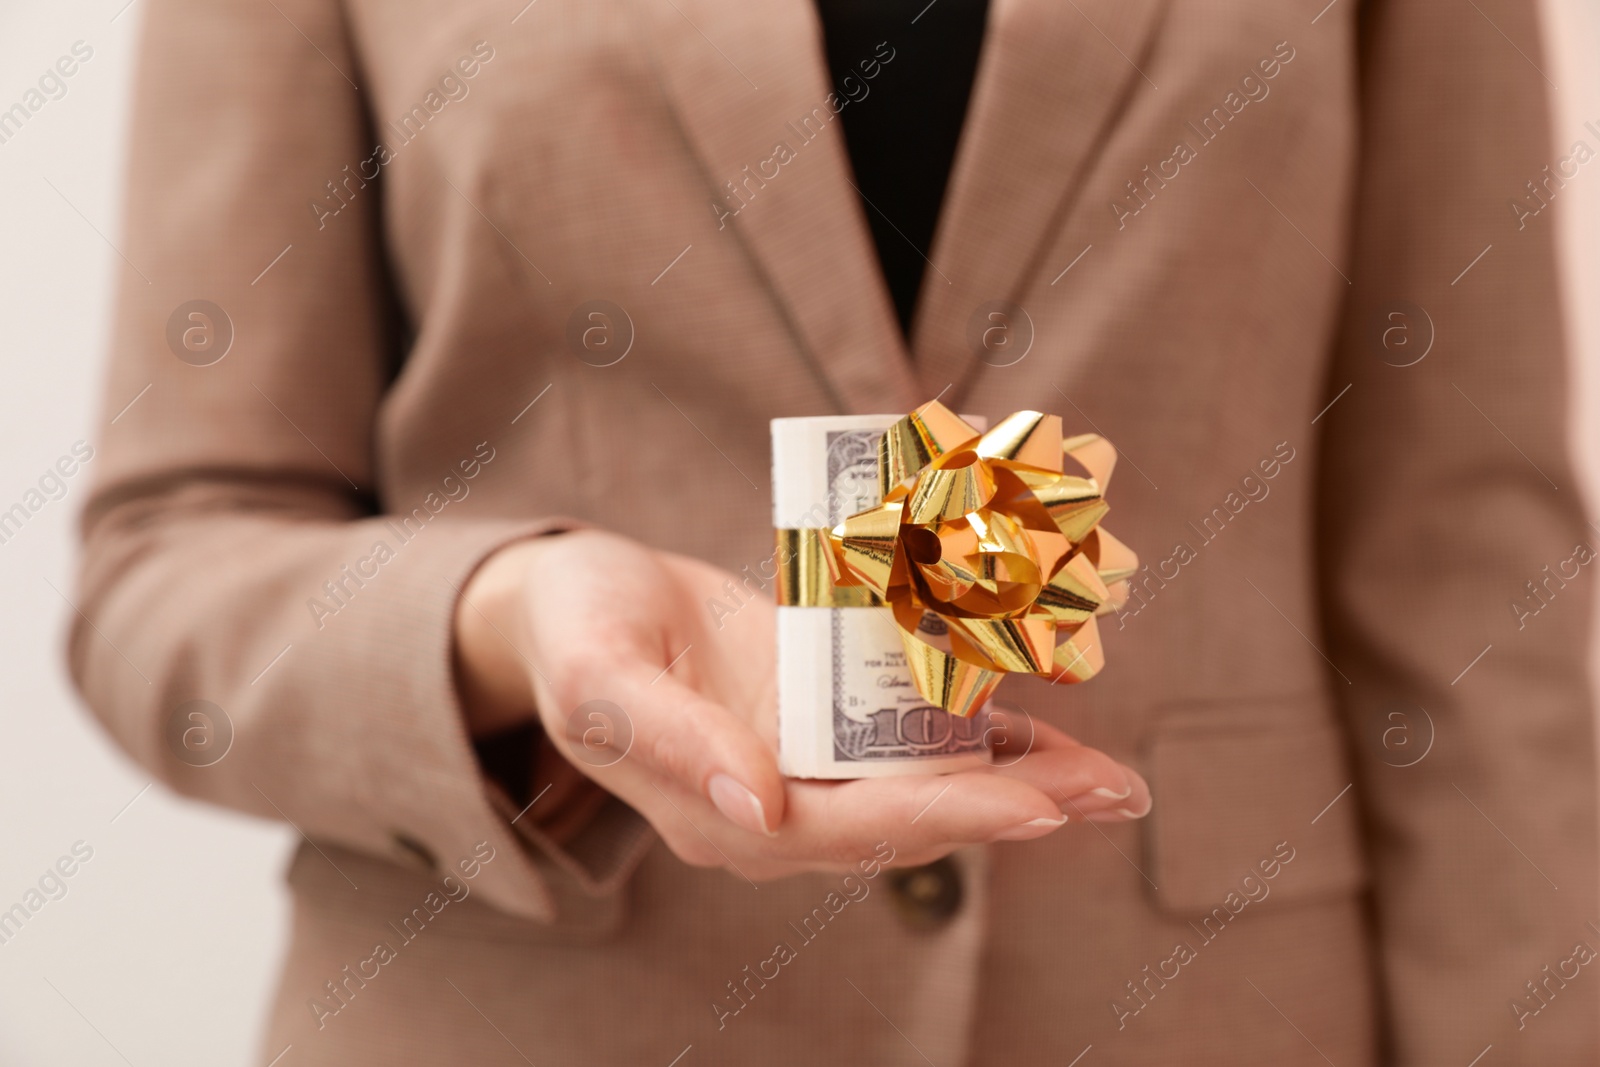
{"x":736,"y":802}
{"x":1094,"y":800}
{"x":1118,"y":814}
{"x":1031,"y":829}
{"x":1112,"y":794}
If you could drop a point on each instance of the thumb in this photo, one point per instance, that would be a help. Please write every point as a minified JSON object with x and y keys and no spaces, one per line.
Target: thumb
{"x":655,"y":726}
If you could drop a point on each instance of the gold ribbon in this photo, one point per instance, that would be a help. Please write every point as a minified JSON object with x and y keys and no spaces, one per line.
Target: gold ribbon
{"x":988,"y":552}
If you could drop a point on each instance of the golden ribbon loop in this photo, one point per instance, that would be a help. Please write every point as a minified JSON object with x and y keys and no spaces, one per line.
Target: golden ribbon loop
{"x":988,"y":552}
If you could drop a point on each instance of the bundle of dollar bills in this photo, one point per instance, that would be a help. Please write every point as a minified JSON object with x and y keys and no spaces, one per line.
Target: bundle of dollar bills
{"x":847,"y":705}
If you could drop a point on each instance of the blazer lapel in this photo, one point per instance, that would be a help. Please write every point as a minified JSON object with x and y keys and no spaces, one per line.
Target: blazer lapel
{"x":1051,"y":81}
{"x":749,"y":85}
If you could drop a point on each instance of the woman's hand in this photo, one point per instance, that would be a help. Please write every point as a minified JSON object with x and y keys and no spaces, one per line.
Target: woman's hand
{"x":548,"y":625}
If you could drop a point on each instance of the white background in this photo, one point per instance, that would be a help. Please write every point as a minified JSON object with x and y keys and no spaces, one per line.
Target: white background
{"x":168,"y":941}
{"x":166,"y":947}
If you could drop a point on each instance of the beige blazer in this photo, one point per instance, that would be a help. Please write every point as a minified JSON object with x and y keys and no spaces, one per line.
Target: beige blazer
{"x":1286,"y":259}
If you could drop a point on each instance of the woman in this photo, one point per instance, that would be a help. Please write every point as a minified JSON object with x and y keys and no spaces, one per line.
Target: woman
{"x":438,"y":418}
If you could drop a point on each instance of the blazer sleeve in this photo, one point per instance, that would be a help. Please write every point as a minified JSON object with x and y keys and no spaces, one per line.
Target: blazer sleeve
{"x":229,"y":493}
{"x":1455,"y":553}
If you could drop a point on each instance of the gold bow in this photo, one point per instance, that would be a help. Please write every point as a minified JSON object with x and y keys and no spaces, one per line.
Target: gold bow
{"x":987,"y":551}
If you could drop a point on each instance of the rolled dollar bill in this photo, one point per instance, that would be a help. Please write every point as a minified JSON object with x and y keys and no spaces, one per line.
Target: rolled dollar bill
{"x":847,"y":704}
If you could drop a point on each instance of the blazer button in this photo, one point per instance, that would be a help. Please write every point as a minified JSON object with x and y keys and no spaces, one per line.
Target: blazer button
{"x":413,"y":853}
{"x":926,"y":897}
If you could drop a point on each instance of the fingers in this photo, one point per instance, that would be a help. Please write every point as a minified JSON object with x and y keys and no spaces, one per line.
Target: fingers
{"x":831,"y":825}
{"x":1084,"y":782}
{"x":920,"y":819}
{"x":844,"y":820}
{"x":1056,"y":781}
{"x":682,"y":738}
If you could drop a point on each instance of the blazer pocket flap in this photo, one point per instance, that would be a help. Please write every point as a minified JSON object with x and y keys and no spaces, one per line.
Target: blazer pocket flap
{"x":1246,"y":813}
